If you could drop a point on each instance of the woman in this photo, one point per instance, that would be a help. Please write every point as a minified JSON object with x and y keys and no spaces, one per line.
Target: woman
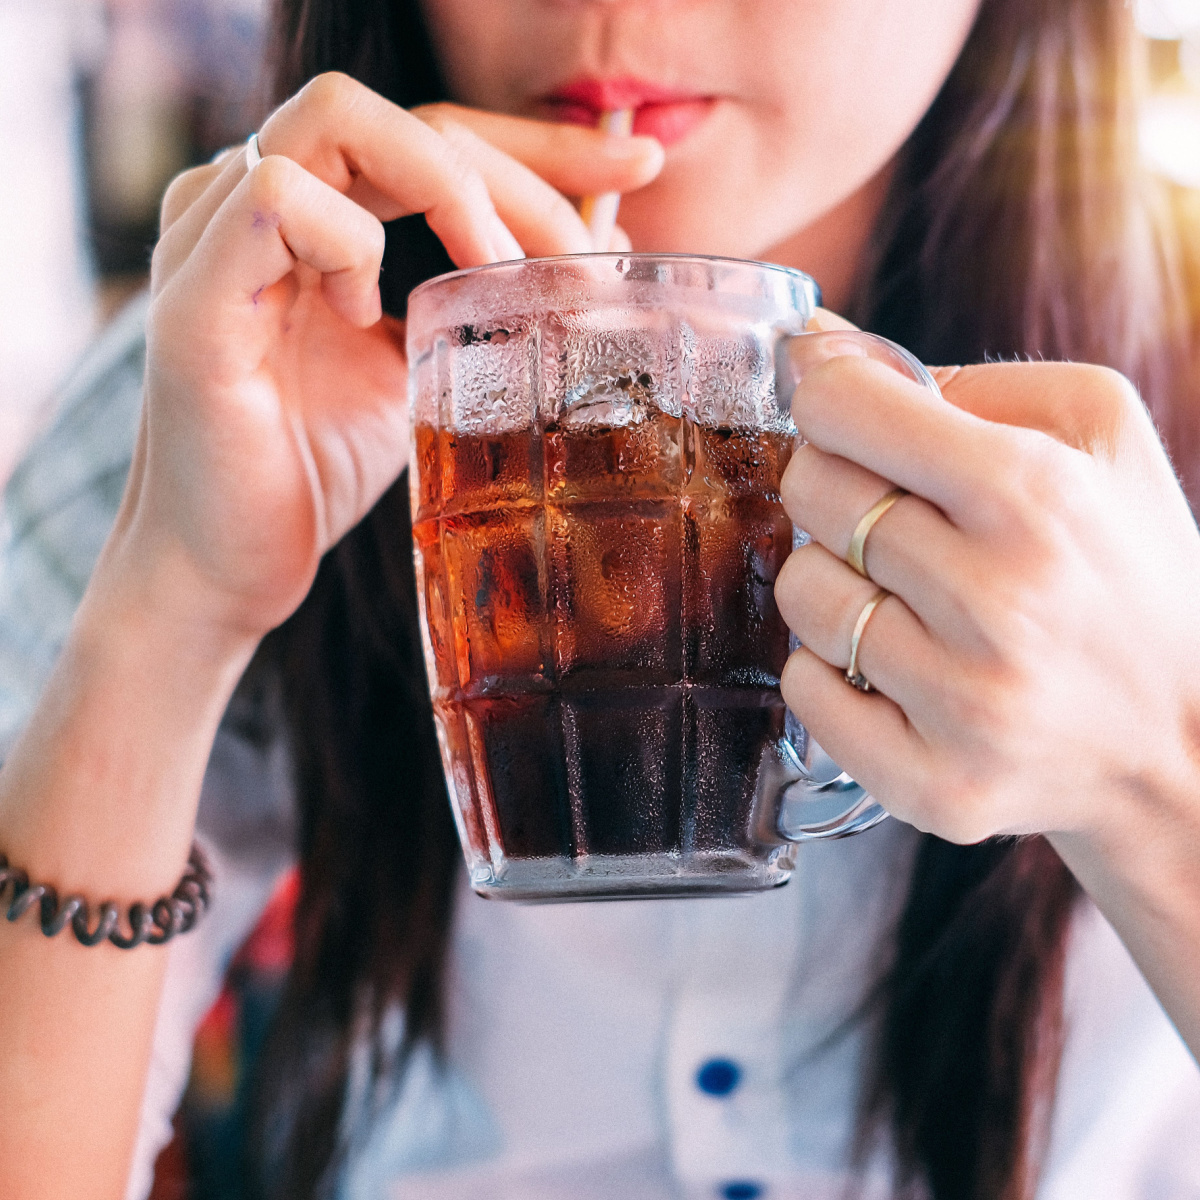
{"x":958,"y":175}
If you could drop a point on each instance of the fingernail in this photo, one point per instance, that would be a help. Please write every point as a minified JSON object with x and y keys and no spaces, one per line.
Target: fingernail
{"x":504,"y":246}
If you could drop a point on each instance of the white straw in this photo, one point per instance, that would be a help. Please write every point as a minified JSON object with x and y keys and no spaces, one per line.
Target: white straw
{"x":599,"y":212}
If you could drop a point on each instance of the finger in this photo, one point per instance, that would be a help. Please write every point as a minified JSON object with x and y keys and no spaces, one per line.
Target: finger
{"x":821,"y":599}
{"x":179,"y":237}
{"x":866,"y":734}
{"x":911,"y":550}
{"x":574,"y":159}
{"x":1071,"y":412}
{"x":195,"y":196}
{"x":541,"y":218}
{"x":825,"y":321}
{"x":620,"y":242}
{"x":184,"y":190}
{"x":1084,"y":406}
{"x":1080,"y":404}
{"x":866,"y":412}
{"x":391,"y":163}
{"x":279,"y":215}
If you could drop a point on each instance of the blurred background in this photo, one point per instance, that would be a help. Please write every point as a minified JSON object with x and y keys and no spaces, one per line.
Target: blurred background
{"x":103,"y":101}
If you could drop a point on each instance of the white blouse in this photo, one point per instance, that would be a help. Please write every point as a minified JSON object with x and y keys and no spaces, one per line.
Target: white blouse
{"x":692,"y":1048}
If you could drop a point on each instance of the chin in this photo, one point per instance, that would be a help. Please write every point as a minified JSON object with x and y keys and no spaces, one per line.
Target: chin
{"x":655,"y":224}
{"x":707,"y":207}
{"x":655,"y":228}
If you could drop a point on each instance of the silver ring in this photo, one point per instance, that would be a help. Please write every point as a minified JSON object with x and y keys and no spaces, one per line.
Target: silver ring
{"x":253,"y":154}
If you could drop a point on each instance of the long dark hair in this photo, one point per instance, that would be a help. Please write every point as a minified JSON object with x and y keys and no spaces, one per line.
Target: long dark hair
{"x":1019,"y":224}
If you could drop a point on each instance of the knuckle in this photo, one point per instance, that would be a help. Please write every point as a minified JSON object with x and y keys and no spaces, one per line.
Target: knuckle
{"x":1110,"y":395}
{"x":967,"y":822}
{"x":990,"y":704}
{"x":271,"y":180}
{"x":1114,"y":407}
{"x":786,"y":602}
{"x":438,"y":116}
{"x":790,"y":682}
{"x":461,"y":140}
{"x":1053,"y":478}
{"x":823,"y":376}
{"x":374,"y":240}
{"x":798,"y":484}
{"x":1006,"y":625}
{"x":1050,"y":508}
{"x":551,"y":207}
{"x":465,"y":184}
{"x":921,"y":803}
{"x":332,"y":92}
{"x":1036,"y":478}
{"x":959,"y":805}
{"x":1020,"y":461}
{"x":793,"y":578}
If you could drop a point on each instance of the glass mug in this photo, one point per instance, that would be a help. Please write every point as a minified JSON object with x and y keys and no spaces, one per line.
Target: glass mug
{"x":598,"y":445}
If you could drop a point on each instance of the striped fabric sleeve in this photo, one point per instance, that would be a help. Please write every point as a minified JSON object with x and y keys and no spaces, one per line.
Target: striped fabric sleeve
{"x":59,"y":507}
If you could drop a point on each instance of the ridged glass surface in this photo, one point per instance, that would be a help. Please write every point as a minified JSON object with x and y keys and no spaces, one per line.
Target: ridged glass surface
{"x":598,"y":532}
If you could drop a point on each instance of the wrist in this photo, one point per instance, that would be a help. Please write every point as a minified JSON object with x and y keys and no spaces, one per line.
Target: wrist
{"x":1144,"y":790}
{"x":99,"y":794}
{"x":1138,"y":864}
{"x":1147,"y":822}
{"x":143,"y":603}
{"x":1137,"y":856}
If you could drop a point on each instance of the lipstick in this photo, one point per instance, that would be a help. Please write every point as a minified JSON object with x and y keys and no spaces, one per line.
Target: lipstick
{"x":668,"y":114}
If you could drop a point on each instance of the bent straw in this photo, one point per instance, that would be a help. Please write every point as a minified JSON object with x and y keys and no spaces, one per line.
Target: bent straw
{"x":599,"y":212}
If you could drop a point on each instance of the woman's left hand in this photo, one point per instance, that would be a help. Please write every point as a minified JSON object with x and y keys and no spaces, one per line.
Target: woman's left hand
{"x":1037,"y":666}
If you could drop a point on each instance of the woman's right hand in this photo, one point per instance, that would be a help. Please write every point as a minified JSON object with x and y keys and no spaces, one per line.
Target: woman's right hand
{"x":275,"y":414}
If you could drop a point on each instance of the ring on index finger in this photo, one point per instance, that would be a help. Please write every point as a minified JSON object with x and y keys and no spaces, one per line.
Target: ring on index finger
{"x":858,"y":539}
{"x":253,"y":152}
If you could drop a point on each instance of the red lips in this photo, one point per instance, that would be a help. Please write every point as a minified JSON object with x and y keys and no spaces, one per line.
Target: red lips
{"x":663,"y":113}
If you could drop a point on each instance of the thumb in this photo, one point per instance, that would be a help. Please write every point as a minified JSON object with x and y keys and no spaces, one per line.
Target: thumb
{"x":1088,"y":407}
{"x":824,"y":321}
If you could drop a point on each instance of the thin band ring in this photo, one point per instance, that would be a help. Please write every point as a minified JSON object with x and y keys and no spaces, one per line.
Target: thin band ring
{"x":854,"y":677}
{"x":253,"y":153}
{"x":858,"y":539}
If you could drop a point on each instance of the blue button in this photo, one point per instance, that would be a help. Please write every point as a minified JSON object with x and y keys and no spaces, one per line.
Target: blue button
{"x":741,"y":1189}
{"x":718,"y":1077}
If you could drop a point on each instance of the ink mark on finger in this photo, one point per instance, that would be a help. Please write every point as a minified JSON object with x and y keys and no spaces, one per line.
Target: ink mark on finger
{"x":259,"y":292}
{"x":263,"y":220}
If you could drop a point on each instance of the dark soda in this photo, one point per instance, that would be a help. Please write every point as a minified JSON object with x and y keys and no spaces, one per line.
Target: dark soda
{"x":606,"y":649}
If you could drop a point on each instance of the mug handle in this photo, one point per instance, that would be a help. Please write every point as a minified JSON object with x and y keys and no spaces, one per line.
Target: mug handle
{"x":824,"y":802}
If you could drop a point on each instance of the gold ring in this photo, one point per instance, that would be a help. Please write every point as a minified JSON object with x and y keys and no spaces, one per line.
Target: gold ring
{"x":854,"y":677}
{"x":858,"y":539}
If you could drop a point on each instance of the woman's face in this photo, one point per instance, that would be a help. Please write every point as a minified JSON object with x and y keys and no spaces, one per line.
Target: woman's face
{"x":773,"y":112}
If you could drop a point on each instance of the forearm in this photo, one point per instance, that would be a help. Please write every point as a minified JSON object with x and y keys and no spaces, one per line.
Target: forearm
{"x":1142,"y":869}
{"x":98,"y":797}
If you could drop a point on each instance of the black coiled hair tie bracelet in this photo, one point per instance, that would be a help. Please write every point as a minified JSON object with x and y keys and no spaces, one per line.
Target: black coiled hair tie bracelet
{"x":153,"y":924}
